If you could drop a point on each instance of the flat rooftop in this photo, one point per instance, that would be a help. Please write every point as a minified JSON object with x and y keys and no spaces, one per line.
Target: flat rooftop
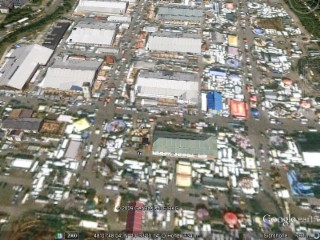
{"x":21,"y":65}
{"x":184,"y":143}
{"x":170,"y":75}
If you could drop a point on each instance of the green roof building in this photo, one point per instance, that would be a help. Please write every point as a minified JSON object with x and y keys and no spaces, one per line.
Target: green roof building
{"x":190,"y":145}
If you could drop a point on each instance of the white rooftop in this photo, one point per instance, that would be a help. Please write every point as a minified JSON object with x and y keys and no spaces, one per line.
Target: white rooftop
{"x":20,"y":66}
{"x":70,"y":75}
{"x":101,"y":7}
{"x":101,"y":33}
{"x":22,"y":163}
{"x":167,"y":84}
{"x":311,"y":159}
{"x":175,"y":42}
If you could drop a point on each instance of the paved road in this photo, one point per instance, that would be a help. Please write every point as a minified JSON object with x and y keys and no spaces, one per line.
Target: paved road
{"x":255,"y":127}
{"x":107,"y":113}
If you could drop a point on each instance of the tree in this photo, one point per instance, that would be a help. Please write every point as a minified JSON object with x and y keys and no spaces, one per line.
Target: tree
{"x":90,"y":194}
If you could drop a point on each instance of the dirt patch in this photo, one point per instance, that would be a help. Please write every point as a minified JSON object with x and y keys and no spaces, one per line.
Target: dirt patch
{"x":271,"y":23}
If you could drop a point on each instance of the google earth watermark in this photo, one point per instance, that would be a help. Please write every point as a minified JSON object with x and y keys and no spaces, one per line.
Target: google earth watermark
{"x":288,"y":220}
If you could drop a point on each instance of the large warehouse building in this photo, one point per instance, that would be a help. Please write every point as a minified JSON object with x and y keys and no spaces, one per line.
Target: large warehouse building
{"x":310,"y":149}
{"x":70,"y":75}
{"x":101,"y":7}
{"x":21,"y":64}
{"x":93,"y":33}
{"x":178,"y":86}
{"x":180,"y":14}
{"x":174,"y":42}
{"x":189,"y":145}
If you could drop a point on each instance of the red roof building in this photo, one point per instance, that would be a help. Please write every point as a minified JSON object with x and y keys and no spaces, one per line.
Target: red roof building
{"x":238,"y":109}
{"x":134,"y":218}
{"x":110,"y":59}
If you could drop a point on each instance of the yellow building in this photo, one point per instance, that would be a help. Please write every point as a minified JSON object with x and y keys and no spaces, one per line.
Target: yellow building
{"x":183,"y":177}
{"x":233,"y":40}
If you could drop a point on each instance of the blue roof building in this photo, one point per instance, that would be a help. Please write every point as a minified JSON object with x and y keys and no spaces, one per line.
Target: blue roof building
{"x":214,"y":101}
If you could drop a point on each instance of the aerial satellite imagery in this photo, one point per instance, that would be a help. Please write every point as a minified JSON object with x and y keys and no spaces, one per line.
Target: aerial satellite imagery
{"x":159,"y":119}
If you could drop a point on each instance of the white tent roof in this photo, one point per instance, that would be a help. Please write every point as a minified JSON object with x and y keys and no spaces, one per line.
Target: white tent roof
{"x":92,"y":36}
{"x":64,"y":79}
{"x":22,"y":63}
{"x":96,"y":6}
{"x":22,"y":163}
{"x":174,"y":42}
{"x":311,"y":159}
{"x":154,"y":85}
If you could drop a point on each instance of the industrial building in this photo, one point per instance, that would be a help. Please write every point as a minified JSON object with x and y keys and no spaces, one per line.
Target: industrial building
{"x":70,"y":75}
{"x":23,"y":124}
{"x":21,"y":64}
{"x":189,"y":145}
{"x":211,"y":102}
{"x":179,"y":87}
{"x":219,"y":184}
{"x":175,"y":42}
{"x":101,"y":7}
{"x":93,"y":33}
{"x":310,"y":148}
{"x":53,"y":38}
{"x":180,"y":14}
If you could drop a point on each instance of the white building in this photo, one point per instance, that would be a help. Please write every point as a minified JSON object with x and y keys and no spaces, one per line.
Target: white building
{"x":22,"y":163}
{"x":21,"y":64}
{"x":119,"y":19}
{"x":93,"y":33}
{"x":178,"y":86}
{"x":175,"y":42}
{"x":101,"y":7}
{"x":70,"y":75}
